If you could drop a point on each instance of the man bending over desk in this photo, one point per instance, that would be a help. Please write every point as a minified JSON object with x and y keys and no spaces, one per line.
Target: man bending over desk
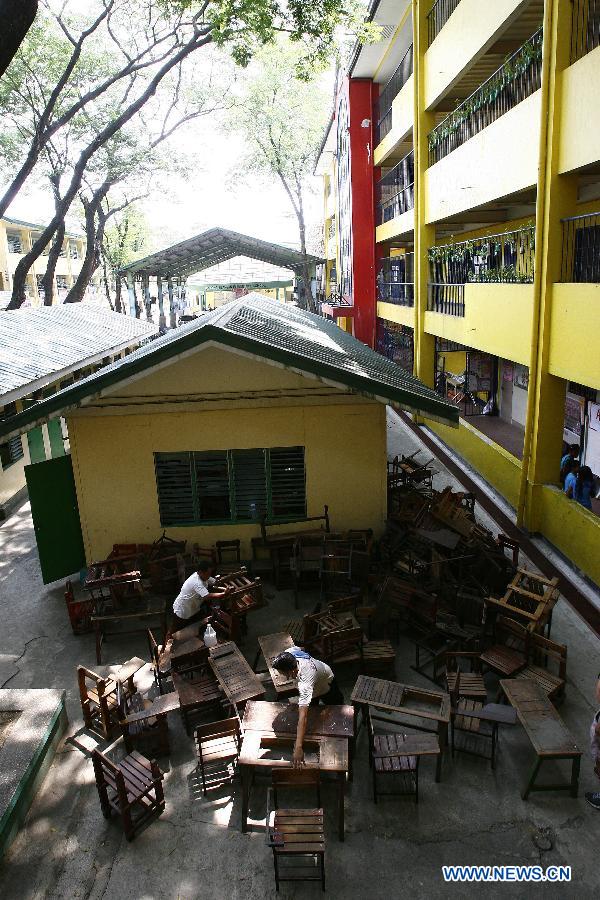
{"x":192,"y":603}
{"x":316,"y":684}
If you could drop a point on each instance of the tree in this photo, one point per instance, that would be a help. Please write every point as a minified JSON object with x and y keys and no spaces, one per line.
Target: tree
{"x":281,"y":119}
{"x":165,"y":36}
{"x":16,"y":18}
{"x":123,"y":242}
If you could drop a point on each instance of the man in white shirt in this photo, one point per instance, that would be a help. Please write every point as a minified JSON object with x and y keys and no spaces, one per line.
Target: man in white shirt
{"x":316,"y":684}
{"x":192,"y":603}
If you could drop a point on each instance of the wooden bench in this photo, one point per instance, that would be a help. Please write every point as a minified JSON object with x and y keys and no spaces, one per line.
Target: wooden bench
{"x":546,"y":731}
{"x":234,"y":674}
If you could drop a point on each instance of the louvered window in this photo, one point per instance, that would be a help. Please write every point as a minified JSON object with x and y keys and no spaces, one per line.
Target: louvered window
{"x":12,"y":450}
{"x":231,"y":486}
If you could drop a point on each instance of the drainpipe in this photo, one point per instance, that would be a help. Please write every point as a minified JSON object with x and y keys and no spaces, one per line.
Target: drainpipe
{"x":549,"y":52}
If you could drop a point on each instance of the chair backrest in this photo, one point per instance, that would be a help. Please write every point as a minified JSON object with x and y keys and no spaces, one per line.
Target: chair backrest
{"x":542,"y":650}
{"x":511,"y":633}
{"x":105,"y":770}
{"x":154,"y":647}
{"x":296,"y":778}
{"x":455,"y":692}
{"x":337,"y":644}
{"x":226,"y":625}
{"x":224,"y":728}
{"x":228,"y":548}
{"x":342,"y":604}
{"x":83,"y":676}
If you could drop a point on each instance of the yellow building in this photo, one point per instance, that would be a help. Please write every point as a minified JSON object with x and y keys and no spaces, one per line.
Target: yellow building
{"x":486,"y":231}
{"x":43,"y":351}
{"x":256,"y":409}
{"x":16,"y":239}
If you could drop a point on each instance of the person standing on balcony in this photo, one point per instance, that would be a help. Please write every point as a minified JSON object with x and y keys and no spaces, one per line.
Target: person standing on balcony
{"x":570,"y":456}
{"x":584,"y":488}
{"x":572,"y":470}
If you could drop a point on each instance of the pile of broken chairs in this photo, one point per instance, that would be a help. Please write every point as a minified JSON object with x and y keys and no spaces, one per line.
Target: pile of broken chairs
{"x":450,"y":585}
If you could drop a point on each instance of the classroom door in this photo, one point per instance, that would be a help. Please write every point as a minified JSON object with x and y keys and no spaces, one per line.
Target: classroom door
{"x":55,"y":515}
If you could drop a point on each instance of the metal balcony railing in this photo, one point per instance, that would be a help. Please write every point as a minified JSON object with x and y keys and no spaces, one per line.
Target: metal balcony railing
{"x":395,"y":192}
{"x":506,"y":258}
{"x":585,"y":27}
{"x":394,"y":280}
{"x":581,"y":249}
{"x":438,"y":16}
{"x":390,"y":92}
{"x":446,"y":298}
{"x":515,"y":80}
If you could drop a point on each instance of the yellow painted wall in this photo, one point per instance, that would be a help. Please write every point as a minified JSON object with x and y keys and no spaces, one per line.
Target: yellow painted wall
{"x":497,"y":320}
{"x":580,"y":114}
{"x":393,"y":312}
{"x":401,"y":226}
{"x":402,"y":122}
{"x":574,"y":326}
{"x":570,"y":527}
{"x":12,"y":479}
{"x":114,"y":466}
{"x":489,"y":166}
{"x":469,"y":32}
{"x":493,"y":462}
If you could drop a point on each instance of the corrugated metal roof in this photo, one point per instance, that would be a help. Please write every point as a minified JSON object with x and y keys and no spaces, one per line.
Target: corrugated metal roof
{"x":42,"y":341}
{"x":210,"y":248}
{"x":272,"y":331}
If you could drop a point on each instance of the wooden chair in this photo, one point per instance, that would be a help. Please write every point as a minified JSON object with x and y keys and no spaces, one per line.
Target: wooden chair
{"x":296,"y":835}
{"x":227,"y":625}
{"x":132,"y":789}
{"x":378,"y":658}
{"x":464,"y":719}
{"x":342,"y":646}
{"x":199,"y":694}
{"x":387,"y":756}
{"x":508,"y":653}
{"x":100,"y":701}
{"x":80,"y":611}
{"x":217,"y":748}
{"x":541,"y":654}
{"x":472,"y":685}
{"x":150,"y":736}
{"x":229,"y":558}
{"x":155,"y":649}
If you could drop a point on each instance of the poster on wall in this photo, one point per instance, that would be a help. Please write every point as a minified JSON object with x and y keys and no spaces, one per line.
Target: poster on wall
{"x":508,"y":371}
{"x":521,"y":377}
{"x":480,"y":372}
{"x":574,"y":418}
{"x":592,"y":447}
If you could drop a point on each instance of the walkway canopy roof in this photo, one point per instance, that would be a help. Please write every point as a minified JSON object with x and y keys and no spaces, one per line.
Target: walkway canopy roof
{"x":214,"y":246}
{"x":267,"y":330}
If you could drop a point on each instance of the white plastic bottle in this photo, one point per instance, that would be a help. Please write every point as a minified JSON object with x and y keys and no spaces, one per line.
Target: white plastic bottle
{"x":210,"y":636}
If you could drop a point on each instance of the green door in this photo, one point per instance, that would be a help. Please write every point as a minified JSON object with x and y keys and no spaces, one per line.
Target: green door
{"x":57,"y":444}
{"x":37,"y":451}
{"x":55,"y":517}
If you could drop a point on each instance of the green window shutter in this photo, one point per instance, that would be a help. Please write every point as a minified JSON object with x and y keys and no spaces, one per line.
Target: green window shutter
{"x":249,"y":484}
{"x":212,"y":486}
{"x":57,"y":443}
{"x":288,"y":483}
{"x":37,"y":451}
{"x":175,"y":486}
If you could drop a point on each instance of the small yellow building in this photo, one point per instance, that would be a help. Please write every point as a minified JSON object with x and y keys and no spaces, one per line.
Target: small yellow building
{"x":257,"y":409}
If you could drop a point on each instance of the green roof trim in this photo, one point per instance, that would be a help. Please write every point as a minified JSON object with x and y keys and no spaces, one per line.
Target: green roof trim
{"x":272,"y":331}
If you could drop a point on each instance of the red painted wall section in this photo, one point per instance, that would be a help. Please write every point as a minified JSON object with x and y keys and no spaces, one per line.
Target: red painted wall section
{"x":361,"y":98}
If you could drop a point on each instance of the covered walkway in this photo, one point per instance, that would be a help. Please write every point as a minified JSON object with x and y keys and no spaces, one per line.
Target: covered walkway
{"x":174,"y":264}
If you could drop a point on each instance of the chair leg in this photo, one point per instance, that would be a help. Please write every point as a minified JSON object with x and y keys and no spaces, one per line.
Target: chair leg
{"x":322,"y":860}
{"x":417,"y":782}
{"x":276,"y":867}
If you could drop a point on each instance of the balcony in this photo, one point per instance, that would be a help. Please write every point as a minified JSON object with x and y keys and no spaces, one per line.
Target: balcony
{"x":575,"y":310}
{"x":518,"y":78}
{"x":396,"y":289}
{"x":385,"y":115}
{"x":438,"y":16}
{"x":395,"y":197}
{"x":580,"y":115}
{"x":481,"y":293}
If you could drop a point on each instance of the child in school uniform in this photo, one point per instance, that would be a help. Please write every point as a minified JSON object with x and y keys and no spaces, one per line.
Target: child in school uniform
{"x":593,"y":797}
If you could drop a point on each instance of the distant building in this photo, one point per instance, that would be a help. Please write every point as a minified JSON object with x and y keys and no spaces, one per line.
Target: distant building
{"x":43,"y":351}
{"x":16,"y":239}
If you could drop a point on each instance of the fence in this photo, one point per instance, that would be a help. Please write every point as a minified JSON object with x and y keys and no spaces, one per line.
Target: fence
{"x":438,"y":16}
{"x":581,"y":248}
{"x":446,"y":298}
{"x":395,"y":192}
{"x":390,"y":92}
{"x":585,"y":27}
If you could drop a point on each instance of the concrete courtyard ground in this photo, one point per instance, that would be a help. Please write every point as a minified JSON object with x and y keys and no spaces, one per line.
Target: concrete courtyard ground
{"x":195,"y":850}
